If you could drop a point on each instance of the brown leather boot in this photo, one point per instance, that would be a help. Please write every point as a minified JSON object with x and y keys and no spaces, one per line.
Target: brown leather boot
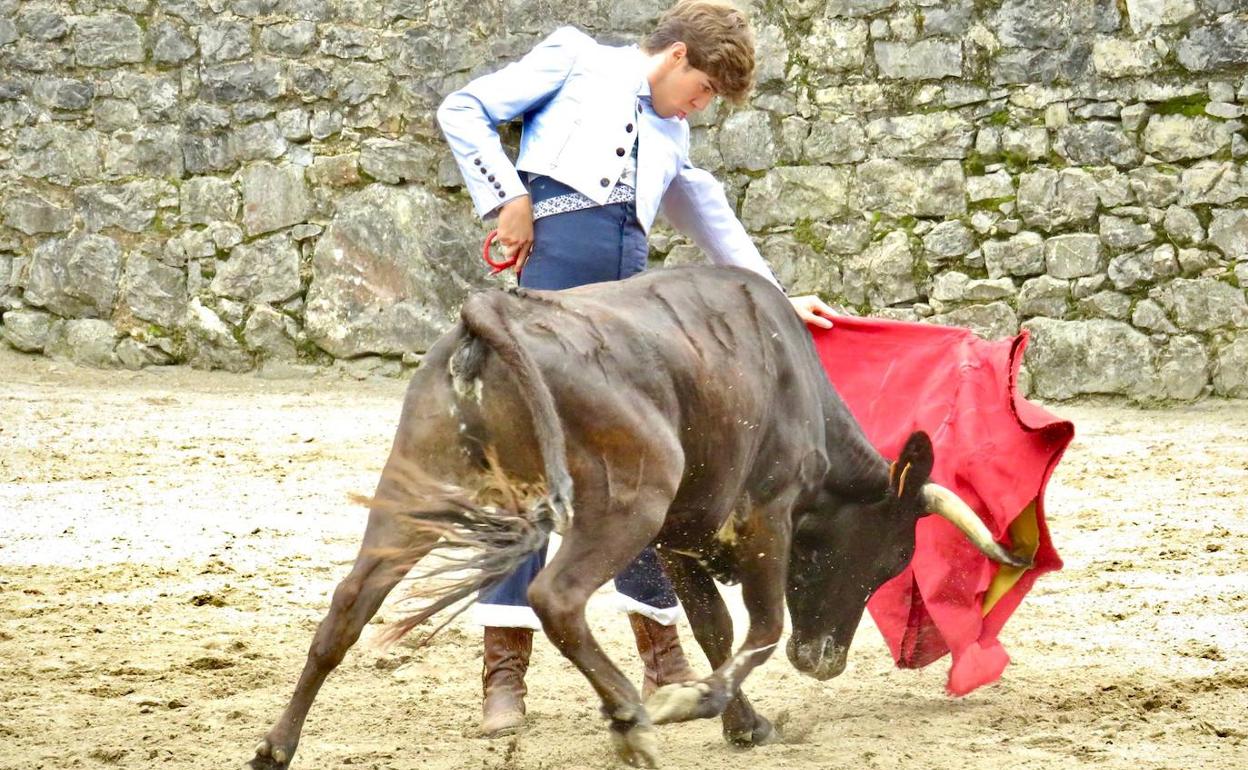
{"x":659,"y":648}
{"x":502,"y":679}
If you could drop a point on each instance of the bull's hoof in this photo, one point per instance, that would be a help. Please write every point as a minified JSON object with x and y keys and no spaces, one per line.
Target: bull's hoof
{"x":636,"y":745}
{"x":762,"y":734}
{"x":682,"y":702}
{"x":270,"y":757}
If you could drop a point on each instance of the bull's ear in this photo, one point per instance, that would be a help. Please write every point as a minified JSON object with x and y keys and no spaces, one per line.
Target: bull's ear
{"x":910,"y":472}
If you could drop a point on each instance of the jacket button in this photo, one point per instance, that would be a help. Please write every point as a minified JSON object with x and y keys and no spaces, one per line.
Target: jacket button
{"x":619,"y":151}
{"x":490,"y":178}
{"x":502,"y":194}
{"x":604,"y":182}
{"x":484,"y":170}
{"x":476,"y":161}
{"x":629,"y":128}
{"x":498,"y":185}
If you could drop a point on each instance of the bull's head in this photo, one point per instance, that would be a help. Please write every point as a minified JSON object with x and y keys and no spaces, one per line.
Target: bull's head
{"x":842,"y":551}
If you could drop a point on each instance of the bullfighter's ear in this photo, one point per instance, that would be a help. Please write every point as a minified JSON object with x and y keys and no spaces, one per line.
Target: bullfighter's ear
{"x":910,"y":472}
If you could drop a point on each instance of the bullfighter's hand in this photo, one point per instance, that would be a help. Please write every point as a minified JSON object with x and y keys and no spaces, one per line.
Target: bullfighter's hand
{"x":515,"y":229}
{"x":813,"y":310}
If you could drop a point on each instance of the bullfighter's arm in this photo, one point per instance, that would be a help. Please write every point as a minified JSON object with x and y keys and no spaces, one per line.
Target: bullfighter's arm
{"x":696,"y":205}
{"x":469,"y":116}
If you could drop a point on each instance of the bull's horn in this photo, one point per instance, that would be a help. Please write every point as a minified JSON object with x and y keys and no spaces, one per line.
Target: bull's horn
{"x":943,"y":502}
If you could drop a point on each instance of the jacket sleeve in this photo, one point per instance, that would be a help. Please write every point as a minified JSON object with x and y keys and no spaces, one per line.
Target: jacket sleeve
{"x":469,"y":117}
{"x":695,"y":204}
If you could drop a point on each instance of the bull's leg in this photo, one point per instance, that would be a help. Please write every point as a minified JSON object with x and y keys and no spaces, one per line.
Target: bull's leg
{"x":763,"y":542}
{"x":712,"y":627}
{"x":599,"y":545}
{"x":390,"y":549}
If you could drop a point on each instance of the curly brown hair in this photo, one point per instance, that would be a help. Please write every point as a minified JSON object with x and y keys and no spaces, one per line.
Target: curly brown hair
{"x":719,"y":39}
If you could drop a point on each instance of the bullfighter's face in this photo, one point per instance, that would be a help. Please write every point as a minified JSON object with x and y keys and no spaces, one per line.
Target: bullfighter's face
{"x":677,"y":90}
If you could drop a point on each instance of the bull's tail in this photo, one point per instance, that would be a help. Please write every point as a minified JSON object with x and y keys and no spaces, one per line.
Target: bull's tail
{"x":478,"y":543}
{"x":473,"y":544}
{"x":486,"y":320}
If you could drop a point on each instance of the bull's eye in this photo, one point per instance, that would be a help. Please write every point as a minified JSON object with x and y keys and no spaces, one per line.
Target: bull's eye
{"x":803,"y":572}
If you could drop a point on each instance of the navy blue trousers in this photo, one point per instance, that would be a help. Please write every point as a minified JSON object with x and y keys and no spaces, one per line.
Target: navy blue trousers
{"x":604,"y":243}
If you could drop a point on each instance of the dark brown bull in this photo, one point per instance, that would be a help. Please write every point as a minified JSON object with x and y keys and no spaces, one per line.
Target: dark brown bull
{"x":683,"y":407}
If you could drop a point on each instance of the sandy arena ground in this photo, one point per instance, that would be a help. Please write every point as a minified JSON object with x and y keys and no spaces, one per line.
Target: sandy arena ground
{"x":169,"y":540}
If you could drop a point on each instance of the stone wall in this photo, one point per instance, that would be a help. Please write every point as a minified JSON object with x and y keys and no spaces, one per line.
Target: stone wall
{"x":260,"y":183}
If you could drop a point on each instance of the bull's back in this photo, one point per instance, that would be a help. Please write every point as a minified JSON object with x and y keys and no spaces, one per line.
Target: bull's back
{"x":728,"y":330}
{"x":704,"y":316}
{"x":721,"y":352}
{"x":714,"y":356}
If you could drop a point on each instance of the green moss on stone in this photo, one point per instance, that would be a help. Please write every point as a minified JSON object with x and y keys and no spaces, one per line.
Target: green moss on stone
{"x":1192,"y":106}
{"x":1017,"y":162}
{"x":974,"y":164}
{"x":804,"y":232}
{"x":920,"y":272}
{"x":309,"y":352}
{"x":998,"y":118}
{"x":990,"y":204}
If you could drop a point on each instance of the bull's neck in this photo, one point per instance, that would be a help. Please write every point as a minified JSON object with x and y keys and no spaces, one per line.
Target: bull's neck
{"x":855,"y":469}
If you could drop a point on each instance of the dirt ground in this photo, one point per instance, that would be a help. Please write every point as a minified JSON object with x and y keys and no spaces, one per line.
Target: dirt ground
{"x":170,"y":538}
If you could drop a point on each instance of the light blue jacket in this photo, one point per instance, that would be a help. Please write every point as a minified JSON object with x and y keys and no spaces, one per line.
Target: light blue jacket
{"x":584,"y":105}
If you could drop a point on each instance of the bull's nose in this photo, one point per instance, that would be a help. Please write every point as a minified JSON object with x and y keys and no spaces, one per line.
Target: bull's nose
{"x":796,"y":654}
{"x":821,"y":660}
{"x":805,"y":655}
{"x":832,"y":660}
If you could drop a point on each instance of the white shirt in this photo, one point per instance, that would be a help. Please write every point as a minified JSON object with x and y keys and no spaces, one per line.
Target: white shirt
{"x":583,"y":111}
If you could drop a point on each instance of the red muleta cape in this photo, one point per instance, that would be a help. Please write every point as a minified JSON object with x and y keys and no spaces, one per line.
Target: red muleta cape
{"x":993,"y":448}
